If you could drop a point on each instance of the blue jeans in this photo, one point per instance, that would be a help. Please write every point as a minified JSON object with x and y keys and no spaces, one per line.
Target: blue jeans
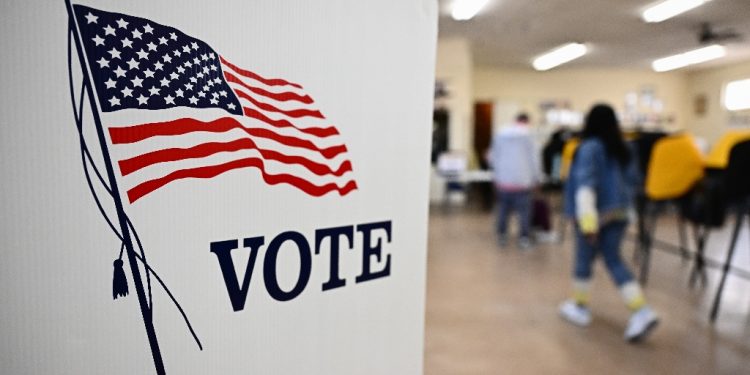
{"x":518,"y":201}
{"x":608,"y":245}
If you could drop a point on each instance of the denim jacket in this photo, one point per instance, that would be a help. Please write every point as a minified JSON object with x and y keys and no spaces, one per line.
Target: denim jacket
{"x":612,"y":183}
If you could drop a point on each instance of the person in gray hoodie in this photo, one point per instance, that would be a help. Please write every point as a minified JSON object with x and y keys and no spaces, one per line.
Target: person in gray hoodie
{"x":516,"y":172}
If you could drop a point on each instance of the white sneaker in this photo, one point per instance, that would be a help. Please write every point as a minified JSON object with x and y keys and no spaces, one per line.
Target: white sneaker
{"x":641,"y":324}
{"x":525,"y":243}
{"x":575,"y":313}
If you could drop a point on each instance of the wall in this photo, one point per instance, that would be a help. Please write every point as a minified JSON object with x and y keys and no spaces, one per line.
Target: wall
{"x":454,"y":66}
{"x":581,"y":87}
{"x":710,"y":83}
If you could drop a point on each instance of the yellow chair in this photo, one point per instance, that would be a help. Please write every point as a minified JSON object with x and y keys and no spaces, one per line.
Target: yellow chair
{"x":675,"y":166}
{"x":718,"y":157}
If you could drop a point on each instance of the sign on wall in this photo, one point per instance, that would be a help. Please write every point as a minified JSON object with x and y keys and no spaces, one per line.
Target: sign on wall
{"x":204,"y":187}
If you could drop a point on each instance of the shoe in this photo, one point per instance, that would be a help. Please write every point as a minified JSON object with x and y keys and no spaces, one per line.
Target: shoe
{"x":525,"y":243}
{"x":575,"y":313}
{"x":641,"y":324}
{"x":547,"y":237}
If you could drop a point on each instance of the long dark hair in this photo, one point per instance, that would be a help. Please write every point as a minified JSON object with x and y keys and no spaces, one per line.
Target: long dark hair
{"x":601,"y":122}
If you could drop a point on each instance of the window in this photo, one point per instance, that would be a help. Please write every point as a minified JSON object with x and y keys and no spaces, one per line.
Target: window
{"x":737,"y":95}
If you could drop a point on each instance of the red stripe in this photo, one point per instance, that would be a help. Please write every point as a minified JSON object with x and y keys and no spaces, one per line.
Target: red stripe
{"x":131,"y":165}
{"x":147,"y":187}
{"x":249,"y":74}
{"x":294,"y":113}
{"x":136,"y":133}
{"x":282,"y":123}
{"x":279,"y":96}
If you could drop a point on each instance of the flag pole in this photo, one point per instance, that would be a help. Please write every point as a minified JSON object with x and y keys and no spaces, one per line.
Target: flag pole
{"x":122,"y":218}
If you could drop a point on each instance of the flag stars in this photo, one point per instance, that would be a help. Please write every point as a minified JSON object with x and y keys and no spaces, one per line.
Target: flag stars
{"x":151,"y":46}
{"x":217,"y":80}
{"x":90,"y":18}
{"x":109,"y":30}
{"x":114,"y":53}
{"x":174,"y":75}
{"x":213,"y":55}
{"x":179,"y":93}
{"x":127,"y":43}
{"x":114,"y":101}
{"x":231,"y":106}
{"x":177,"y":53}
{"x":204,"y":57}
{"x":186,"y":49}
{"x":193,"y":100}
{"x":169,"y":99}
{"x":164,"y":82}
{"x":194,"y":45}
{"x":103,"y":62}
{"x":149,"y":73}
{"x":188,"y":86}
{"x":206,"y":69}
{"x":142,"y":100}
{"x":98,"y":40}
{"x":200,"y":74}
{"x":167,"y":59}
{"x":163,"y":40}
{"x":215,"y":95}
{"x":153,"y":91}
{"x":132,"y":64}
{"x":137,"y":82}
{"x":110,"y":83}
{"x":137,"y":34}
{"x":188,"y":64}
{"x":193,"y":80}
{"x":180,"y":70}
{"x":202,"y":94}
{"x":148,"y":29}
{"x":213,"y":68}
{"x":173,"y":36}
{"x":214,"y":101}
{"x":142,"y":55}
{"x":223,"y":93}
{"x":120,"y":72}
{"x":159,"y":66}
{"x":121,"y":23}
{"x":127,"y":92}
{"x":196,"y":61}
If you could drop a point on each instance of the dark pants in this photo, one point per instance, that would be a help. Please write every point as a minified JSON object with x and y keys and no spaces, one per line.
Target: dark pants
{"x":518,"y":201}
{"x":608,"y":245}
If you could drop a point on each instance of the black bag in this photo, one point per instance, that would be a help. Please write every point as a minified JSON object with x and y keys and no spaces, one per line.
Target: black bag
{"x":706,"y":203}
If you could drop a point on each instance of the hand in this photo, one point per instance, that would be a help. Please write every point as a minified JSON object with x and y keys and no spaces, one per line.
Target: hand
{"x":591,"y":238}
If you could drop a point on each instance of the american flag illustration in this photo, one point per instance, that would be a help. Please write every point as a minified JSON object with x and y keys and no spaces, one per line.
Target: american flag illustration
{"x":175,"y":109}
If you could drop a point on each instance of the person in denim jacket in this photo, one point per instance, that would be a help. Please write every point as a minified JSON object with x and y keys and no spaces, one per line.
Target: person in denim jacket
{"x":598,"y":196}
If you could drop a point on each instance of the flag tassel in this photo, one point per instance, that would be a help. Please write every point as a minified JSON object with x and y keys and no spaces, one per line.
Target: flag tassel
{"x":119,"y":282}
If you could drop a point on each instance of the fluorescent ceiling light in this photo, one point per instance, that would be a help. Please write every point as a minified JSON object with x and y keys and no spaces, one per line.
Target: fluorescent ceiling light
{"x":737,"y":95}
{"x":689,"y":58}
{"x":559,"y":56}
{"x":466,"y":9}
{"x":670,"y":8}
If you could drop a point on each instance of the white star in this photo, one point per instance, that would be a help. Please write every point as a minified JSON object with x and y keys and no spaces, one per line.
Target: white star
{"x":200,"y":74}
{"x":98,"y":40}
{"x":90,"y":18}
{"x":196,"y":61}
{"x":148,"y":29}
{"x":153,"y":91}
{"x":188,"y":86}
{"x":149,"y":73}
{"x":194,"y":45}
{"x":193,"y":100}
{"x":120,"y":72}
{"x":164,"y":82}
{"x":127,"y":43}
{"x":180,"y":70}
{"x":213,"y":68}
{"x":162,"y":40}
{"x":137,"y":82}
{"x":158,"y":65}
{"x":126,"y":92}
{"x":169,"y":99}
{"x":103,"y":62}
{"x":202,"y":94}
{"x":217,"y":80}
{"x":137,"y":34}
{"x":142,"y":55}
{"x":109,"y":30}
{"x":231,"y":106}
{"x":215,"y":95}
{"x":179,"y":93}
{"x":188,"y":64}
{"x":206,"y":88}
{"x":214,"y":101}
{"x":186,"y":49}
{"x":210,"y":84}
{"x":142,"y":100}
{"x":151,"y":46}
{"x":193,"y":80}
{"x":115,"y":53}
{"x":174,"y":75}
{"x":223,"y":93}
{"x":167,"y":58}
{"x":213,"y":55}
{"x":132,"y":64}
{"x":114,"y":101}
{"x":173,"y":36}
{"x":121,"y":23}
{"x":110,"y":83}
{"x":206,"y":70}
{"x":177,"y":53}
{"x":204,"y":57}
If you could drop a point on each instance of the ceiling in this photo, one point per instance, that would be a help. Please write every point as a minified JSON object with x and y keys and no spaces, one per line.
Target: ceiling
{"x":510,"y":33}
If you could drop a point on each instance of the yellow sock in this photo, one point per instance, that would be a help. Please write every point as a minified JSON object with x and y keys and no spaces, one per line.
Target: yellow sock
{"x":633,"y":295}
{"x":581,"y":292}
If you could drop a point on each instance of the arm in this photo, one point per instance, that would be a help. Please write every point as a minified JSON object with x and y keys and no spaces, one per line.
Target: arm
{"x":589,"y":156}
